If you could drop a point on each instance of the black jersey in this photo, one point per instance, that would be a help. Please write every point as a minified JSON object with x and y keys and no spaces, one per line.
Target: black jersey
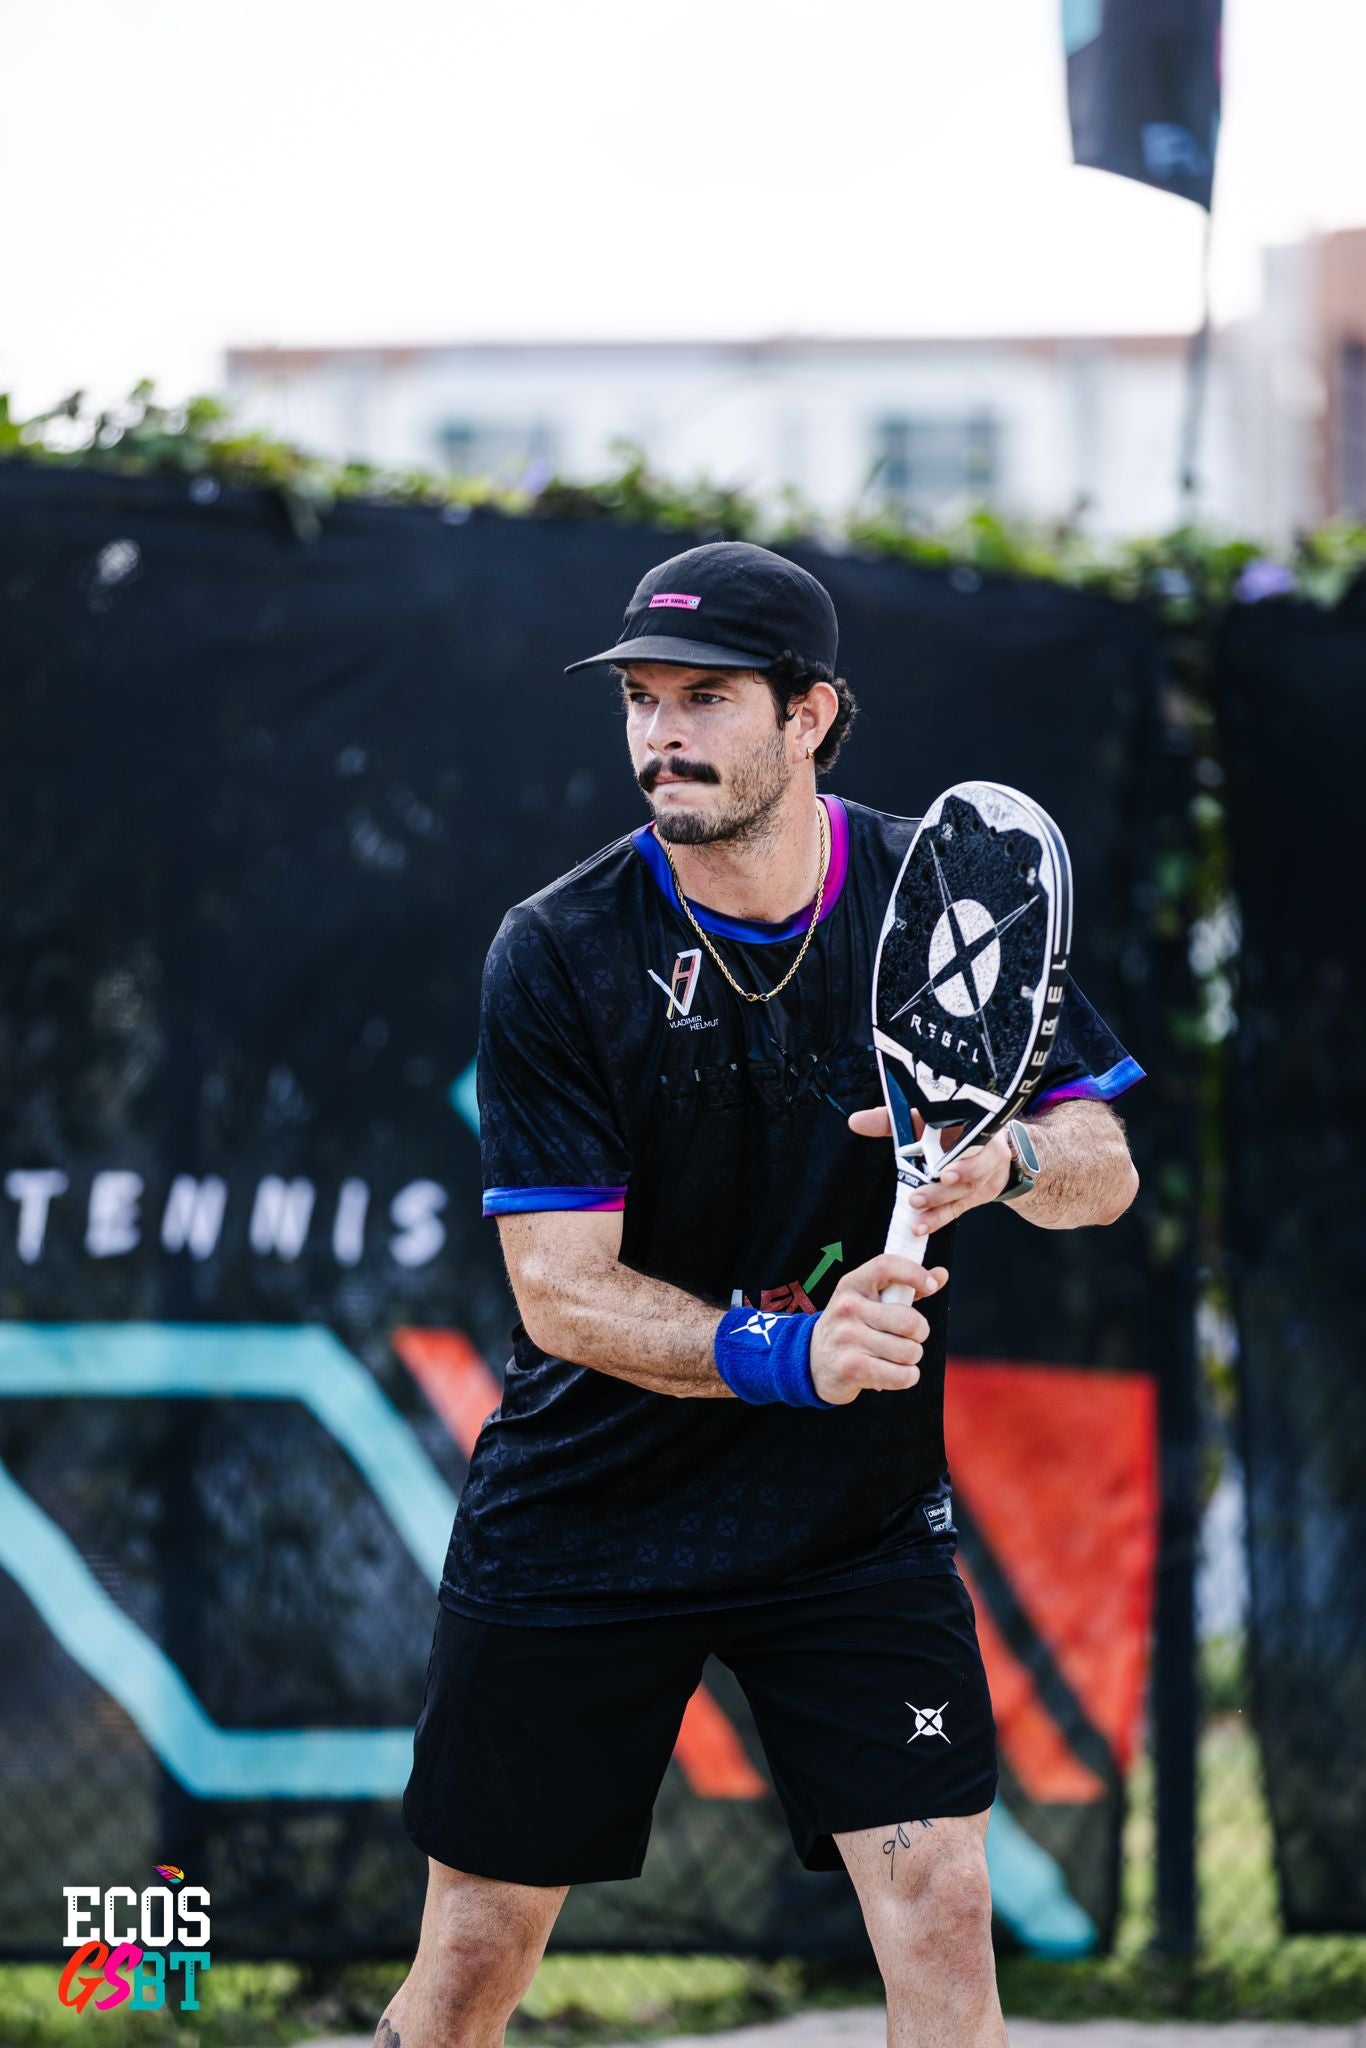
{"x":617,"y":1070}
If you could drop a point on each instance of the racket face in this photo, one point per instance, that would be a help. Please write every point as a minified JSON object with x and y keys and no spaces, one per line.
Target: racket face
{"x":971,"y":967}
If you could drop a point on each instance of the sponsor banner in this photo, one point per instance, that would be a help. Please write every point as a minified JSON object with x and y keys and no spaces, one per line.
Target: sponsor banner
{"x":264,"y":805}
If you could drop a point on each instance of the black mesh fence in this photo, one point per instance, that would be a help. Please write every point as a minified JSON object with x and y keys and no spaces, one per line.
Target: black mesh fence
{"x":1281,"y":1419}
{"x":253,"y":1320}
{"x":1289,"y":694}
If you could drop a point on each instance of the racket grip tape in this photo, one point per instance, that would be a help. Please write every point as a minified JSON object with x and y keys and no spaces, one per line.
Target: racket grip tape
{"x":905,"y":1239}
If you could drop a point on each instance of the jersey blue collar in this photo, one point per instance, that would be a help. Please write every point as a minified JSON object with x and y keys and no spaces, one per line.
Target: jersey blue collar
{"x":647,"y":845}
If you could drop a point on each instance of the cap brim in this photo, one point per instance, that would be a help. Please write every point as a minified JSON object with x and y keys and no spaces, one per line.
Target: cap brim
{"x":659,"y":647}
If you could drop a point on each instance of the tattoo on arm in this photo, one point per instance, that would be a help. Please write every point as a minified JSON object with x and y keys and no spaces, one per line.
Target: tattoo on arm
{"x":889,"y":1847}
{"x":387,"y":2036}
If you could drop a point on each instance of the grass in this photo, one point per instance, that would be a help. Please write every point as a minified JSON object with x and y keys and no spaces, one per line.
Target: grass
{"x":1245,"y":1970}
{"x":574,"y":1999}
{"x":244,"y":2005}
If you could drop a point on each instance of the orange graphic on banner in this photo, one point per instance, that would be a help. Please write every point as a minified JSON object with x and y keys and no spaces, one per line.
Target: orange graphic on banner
{"x":1058,"y":1469}
{"x":454,"y":1378}
{"x":712,"y":1755}
{"x":1034,"y":1744}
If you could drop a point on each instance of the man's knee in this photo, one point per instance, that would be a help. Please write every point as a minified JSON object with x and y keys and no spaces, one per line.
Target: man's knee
{"x":942,"y":1923}
{"x":488,"y":1937}
{"x":481,"y":1943}
{"x":475,"y":1965}
{"x":458,"y":1979}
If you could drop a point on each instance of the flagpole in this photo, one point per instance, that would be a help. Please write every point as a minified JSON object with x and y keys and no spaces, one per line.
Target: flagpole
{"x":1197,"y":379}
{"x":1176,"y":1650}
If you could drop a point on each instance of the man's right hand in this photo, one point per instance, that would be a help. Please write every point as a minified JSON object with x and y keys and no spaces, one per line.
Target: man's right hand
{"x":861,"y":1341}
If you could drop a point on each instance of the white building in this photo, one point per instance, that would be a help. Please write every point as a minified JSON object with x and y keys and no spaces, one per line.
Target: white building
{"x":1295,"y":378}
{"x":1030,"y":426}
{"x":1040,"y":427}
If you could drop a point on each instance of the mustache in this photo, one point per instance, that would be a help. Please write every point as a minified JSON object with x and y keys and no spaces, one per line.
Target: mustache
{"x":686,"y":771}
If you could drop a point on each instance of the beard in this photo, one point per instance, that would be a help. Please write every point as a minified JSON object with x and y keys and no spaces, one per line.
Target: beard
{"x":755,"y":787}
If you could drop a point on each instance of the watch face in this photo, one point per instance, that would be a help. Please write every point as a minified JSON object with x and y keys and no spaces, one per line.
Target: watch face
{"x":1023,"y":1146}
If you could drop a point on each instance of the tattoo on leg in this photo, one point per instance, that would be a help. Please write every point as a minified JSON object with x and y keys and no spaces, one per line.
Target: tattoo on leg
{"x":889,"y":1847}
{"x":387,"y":2037}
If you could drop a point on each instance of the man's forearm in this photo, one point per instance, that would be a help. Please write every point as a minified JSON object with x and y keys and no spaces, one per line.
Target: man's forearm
{"x":1086,"y":1174}
{"x":638,"y":1329}
{"x":621,"y":1322}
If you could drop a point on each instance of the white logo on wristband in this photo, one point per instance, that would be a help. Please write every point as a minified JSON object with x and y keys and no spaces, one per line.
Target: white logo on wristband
{"x":759,"y":1325}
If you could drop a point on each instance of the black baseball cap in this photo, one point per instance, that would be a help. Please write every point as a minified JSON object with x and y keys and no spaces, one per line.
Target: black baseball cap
{"x":726,"y":605}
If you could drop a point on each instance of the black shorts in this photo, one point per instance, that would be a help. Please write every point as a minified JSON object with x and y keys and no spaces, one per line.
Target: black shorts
{"x":540,"y":1751}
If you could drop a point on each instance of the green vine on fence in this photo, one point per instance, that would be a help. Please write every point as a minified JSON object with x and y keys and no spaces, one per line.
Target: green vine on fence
{"x":1186,"y":573}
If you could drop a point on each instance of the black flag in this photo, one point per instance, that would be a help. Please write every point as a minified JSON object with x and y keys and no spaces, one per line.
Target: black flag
{"x":1143,"y":90}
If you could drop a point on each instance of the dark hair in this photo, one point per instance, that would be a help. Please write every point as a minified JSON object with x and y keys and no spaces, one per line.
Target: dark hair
{"x":791,"y":677}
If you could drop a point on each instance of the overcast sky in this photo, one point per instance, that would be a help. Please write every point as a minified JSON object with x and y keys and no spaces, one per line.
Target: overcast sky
{"x":184,"y":174}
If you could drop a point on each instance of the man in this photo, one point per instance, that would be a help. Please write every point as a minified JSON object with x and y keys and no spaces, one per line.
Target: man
{"x":674,"y":1062}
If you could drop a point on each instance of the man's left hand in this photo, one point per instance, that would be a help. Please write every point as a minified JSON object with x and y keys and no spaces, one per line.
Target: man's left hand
{"x":975,"y":1178}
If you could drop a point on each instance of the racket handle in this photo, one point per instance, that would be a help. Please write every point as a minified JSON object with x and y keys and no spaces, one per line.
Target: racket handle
{"x":905,"y":1239}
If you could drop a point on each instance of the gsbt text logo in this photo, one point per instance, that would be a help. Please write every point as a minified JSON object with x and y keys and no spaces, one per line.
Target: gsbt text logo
{"x":154,"y":1943}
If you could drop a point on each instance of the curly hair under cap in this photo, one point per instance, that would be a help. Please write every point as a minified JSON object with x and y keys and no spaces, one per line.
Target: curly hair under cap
{"x":791,"y":677}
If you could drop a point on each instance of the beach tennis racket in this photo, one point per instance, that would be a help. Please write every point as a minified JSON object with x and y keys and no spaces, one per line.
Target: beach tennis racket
{"x":969,"y":981}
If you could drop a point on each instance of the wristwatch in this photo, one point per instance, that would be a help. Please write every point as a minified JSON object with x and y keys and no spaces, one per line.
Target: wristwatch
{"x":1024,"y":1162}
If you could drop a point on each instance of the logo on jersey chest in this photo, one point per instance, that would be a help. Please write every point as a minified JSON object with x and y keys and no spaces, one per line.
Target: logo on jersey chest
{"x":794,"y":1296}
{"x":680,"y":989}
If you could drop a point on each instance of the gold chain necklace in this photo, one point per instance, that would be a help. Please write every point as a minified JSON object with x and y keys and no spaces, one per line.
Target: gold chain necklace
{"x":748,"y":995}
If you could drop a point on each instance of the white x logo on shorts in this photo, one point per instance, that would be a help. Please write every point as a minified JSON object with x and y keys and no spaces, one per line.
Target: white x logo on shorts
{"x":929,"y":1721}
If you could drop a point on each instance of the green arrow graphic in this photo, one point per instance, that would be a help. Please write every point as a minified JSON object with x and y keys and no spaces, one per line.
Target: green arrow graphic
{"x":831,"y":1255}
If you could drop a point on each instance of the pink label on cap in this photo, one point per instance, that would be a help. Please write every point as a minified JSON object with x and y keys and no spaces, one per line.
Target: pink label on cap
{"x":673,"y":597}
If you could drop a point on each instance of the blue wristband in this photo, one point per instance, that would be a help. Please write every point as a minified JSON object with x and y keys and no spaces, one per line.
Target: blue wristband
{"x":766,"y":1357}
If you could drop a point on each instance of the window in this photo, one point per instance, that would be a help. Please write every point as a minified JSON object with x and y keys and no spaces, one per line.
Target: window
{"x":929,"y":459}
{"x":508,"y":451}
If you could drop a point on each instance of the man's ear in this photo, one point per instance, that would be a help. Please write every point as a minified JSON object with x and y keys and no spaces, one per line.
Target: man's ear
{"x":822,"y":700}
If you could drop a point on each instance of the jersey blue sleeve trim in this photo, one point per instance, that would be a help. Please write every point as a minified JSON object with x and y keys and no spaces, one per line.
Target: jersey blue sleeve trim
{"x":511,"y":1201}
{"x":647,"y":845}
{"x":1093,"y":1088}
